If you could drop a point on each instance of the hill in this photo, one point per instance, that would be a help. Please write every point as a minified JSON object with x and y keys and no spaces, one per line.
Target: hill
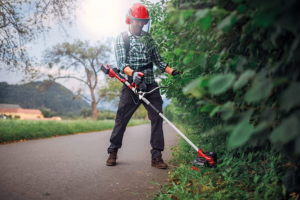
{"x":57,"y":98}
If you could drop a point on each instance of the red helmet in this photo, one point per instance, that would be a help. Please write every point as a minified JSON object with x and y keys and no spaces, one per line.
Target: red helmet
{"x":137,"y":11}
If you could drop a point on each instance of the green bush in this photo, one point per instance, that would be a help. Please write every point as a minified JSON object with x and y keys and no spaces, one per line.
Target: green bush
{"x":240,"y":63}
{"x":243,"y":173}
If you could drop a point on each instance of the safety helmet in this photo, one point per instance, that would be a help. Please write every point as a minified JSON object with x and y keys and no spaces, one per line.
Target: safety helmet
{"x":140,"y":13}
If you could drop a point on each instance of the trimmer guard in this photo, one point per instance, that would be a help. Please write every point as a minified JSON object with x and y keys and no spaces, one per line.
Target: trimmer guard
{"x":208,"y":159}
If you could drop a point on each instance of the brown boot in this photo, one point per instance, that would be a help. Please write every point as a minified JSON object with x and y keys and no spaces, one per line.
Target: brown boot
{"x":159,"y":163}
{"x":111,"y":161}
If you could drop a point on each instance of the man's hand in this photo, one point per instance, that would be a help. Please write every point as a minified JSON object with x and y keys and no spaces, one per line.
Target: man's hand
{"x":128,"y":71}
{"x":175,"y":73}
{"x":136,"y":78}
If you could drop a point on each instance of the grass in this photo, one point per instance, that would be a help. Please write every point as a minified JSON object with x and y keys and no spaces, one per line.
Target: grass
{"x":16,"y":130}
{"x":244,"y":173}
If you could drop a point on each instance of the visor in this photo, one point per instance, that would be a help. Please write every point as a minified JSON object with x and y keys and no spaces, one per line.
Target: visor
{"x":146,"y":23}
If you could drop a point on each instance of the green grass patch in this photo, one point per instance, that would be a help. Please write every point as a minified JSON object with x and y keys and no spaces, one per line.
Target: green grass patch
{"x":14,"y":130}
{"x":243,"y":173}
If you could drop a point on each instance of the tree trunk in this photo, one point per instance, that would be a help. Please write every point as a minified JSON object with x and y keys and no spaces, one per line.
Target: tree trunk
{"x":94,"y":105}
{"x":94,"y":110}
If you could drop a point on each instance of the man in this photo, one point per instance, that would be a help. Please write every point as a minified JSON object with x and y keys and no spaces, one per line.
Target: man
{"x":138,"y":56}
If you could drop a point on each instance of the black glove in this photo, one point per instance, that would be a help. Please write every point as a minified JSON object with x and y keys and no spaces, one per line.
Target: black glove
{"x":175,"y":73}
{"x":136,"y":78}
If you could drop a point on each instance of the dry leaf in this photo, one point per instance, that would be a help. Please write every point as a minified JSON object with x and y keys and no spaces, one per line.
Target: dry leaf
{"x":264,"y":162}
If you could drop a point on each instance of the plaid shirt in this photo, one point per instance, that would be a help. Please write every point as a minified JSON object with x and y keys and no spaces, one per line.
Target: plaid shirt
{"x":138,"y":55}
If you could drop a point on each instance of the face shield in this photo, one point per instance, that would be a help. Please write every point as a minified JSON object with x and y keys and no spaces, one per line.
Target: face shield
{"x":146,"y":26}
{"x":140,"y":27}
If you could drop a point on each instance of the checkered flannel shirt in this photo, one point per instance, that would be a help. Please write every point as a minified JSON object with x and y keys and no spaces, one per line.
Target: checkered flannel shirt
{"x":138,"y":56}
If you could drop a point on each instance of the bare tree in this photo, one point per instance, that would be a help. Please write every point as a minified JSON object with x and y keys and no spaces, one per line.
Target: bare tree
{"x":22,"y":21}
{"x":81,"y":62}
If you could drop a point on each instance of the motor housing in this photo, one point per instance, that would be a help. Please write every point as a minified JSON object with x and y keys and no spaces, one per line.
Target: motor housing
{"x":201,"y":161}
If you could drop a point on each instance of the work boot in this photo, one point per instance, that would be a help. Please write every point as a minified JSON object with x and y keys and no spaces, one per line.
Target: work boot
{"x":111,"y":161}
{"x":159,"y":163}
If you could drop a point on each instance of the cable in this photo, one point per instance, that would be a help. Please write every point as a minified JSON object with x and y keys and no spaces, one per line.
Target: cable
{"x":156,"y":89}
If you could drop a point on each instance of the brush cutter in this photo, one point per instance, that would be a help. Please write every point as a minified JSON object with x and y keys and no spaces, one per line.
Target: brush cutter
{"x":204,"y":159}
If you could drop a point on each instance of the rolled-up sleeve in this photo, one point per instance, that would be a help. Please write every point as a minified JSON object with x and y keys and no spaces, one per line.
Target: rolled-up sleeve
{"x":120,"y":53}
{"x":158,"y":61}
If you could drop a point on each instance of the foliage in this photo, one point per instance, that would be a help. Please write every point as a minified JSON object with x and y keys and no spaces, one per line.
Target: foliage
{"x":174,"y":112}
{"x":47,"y":113}
{"x":241,"y":70}
{"x":141,"y":113}
{"x":102,"y":114}
{"x":22,"y":21}
{"x":242,"y":173}
{"x":111,"y":90}
{"x":86,"y":112}
{"x":15,"y":130}
{"x":106,"y":114}
{"x":57,"y":98}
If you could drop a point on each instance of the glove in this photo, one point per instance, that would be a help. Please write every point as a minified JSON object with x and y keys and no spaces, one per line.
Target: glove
{"x":175,"y":73}
{"x":136,"y":78}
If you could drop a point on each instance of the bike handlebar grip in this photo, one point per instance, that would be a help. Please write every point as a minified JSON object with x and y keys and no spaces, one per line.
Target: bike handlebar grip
{"x":141,"y":74}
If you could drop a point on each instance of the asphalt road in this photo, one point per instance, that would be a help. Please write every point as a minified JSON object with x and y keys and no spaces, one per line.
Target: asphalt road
{"x":73,"y":167}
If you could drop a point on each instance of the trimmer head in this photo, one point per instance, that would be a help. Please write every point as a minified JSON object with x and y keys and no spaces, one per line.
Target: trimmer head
{"x":208,"y":159}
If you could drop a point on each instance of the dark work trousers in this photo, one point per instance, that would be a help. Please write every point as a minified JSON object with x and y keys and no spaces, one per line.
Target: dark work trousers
{"x":126,"y":109}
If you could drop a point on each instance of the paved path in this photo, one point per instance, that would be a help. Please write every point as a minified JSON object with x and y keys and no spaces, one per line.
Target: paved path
{"x":73,"y":167}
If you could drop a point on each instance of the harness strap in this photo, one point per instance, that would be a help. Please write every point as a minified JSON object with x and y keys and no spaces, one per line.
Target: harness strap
{"x":148,"y":66}
{"x":126,"y":41}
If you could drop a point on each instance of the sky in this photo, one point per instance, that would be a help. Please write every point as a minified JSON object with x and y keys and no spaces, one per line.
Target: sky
{"x":95,"y":20}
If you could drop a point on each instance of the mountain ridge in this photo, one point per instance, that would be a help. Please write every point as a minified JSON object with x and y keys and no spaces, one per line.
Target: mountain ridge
{"x":57,"y":98}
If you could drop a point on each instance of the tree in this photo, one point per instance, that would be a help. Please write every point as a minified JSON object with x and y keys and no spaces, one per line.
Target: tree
{"x":46,"y":113}
{"x":78,"y":61}
{"x":23,"y":21}
{"x":111,"y":91}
